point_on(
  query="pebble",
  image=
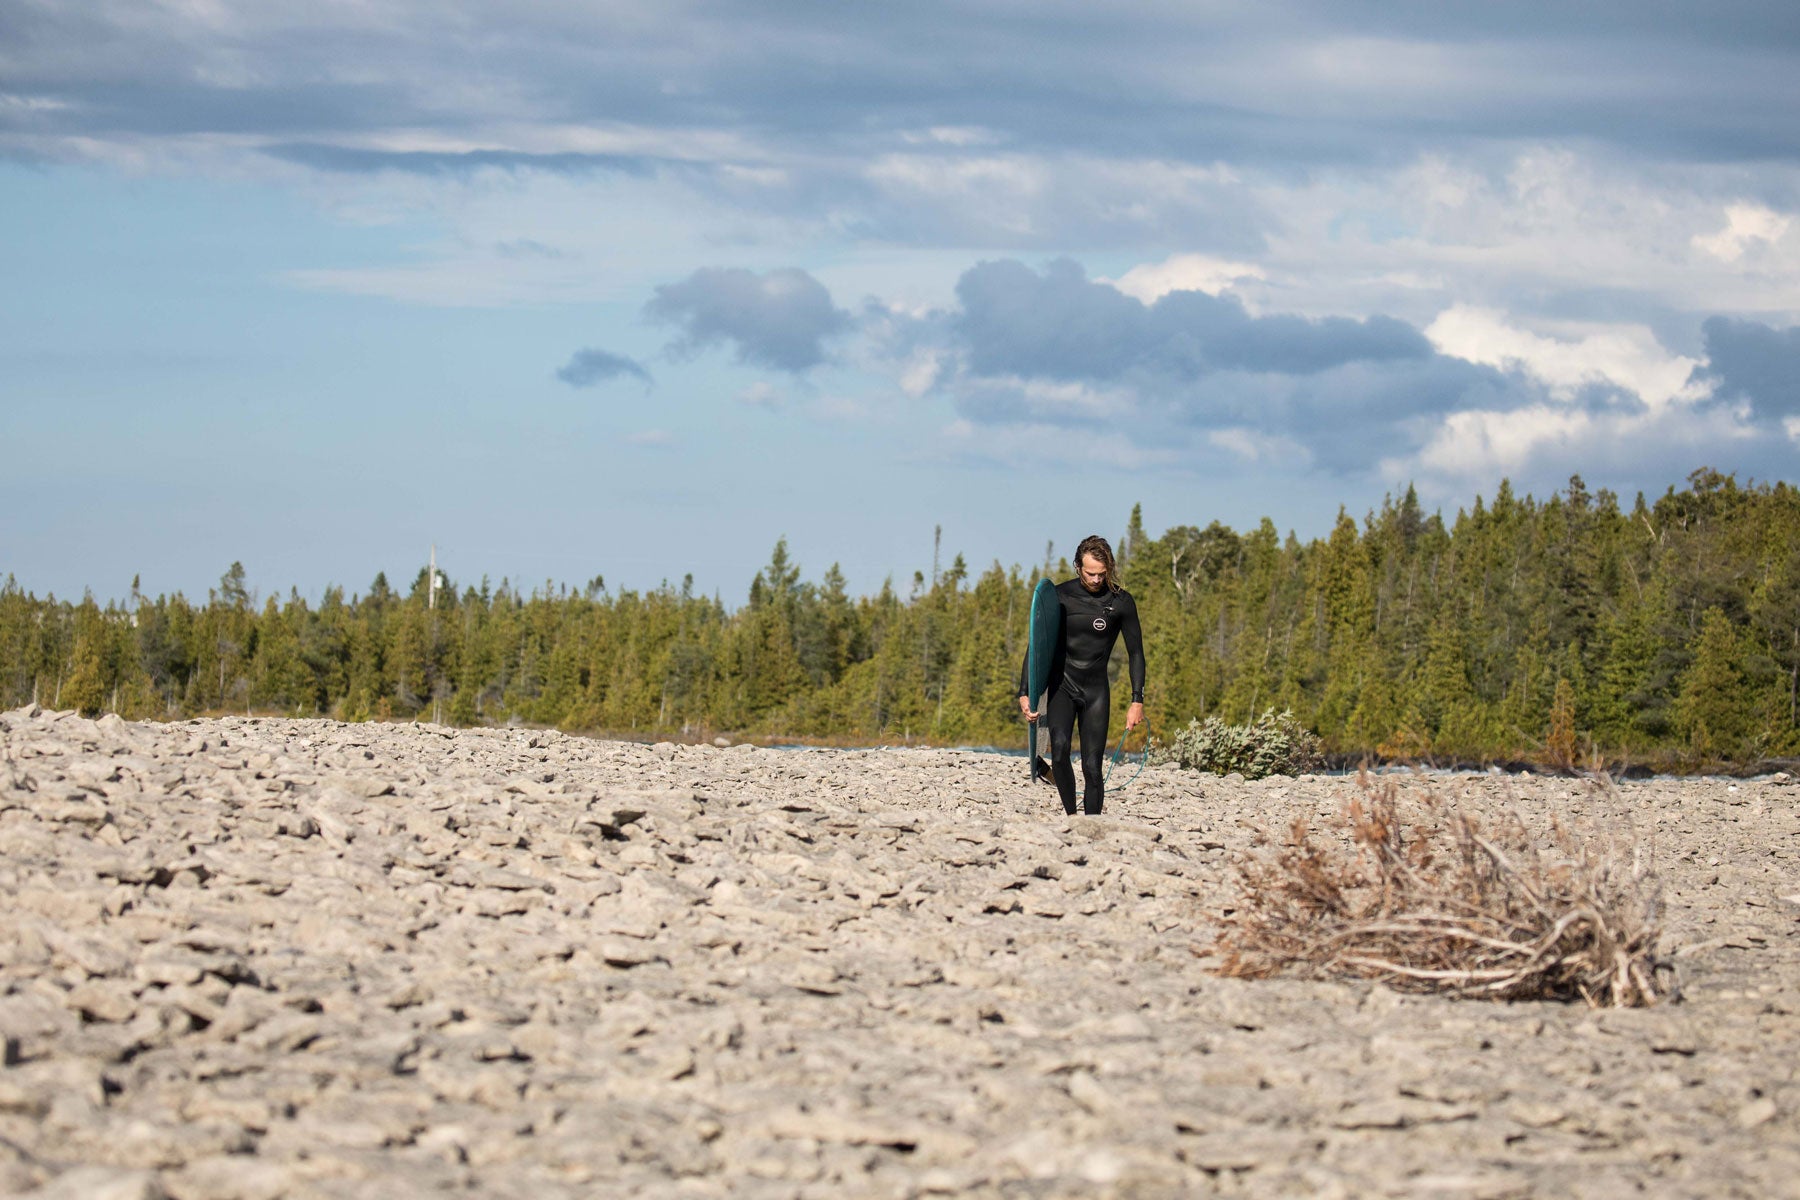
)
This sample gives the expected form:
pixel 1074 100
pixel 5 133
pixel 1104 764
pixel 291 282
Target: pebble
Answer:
pixel 250 957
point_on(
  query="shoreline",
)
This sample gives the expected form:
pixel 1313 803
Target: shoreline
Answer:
pixel 1339 764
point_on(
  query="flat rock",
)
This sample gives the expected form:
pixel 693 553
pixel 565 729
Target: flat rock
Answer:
pixel 269 958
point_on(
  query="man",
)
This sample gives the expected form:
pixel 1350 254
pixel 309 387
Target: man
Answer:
pixel 1095 610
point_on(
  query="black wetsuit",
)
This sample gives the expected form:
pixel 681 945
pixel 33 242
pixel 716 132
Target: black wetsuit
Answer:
pixel 1079 688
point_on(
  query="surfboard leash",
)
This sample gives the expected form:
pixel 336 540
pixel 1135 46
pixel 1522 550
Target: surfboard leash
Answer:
pixel 1119 753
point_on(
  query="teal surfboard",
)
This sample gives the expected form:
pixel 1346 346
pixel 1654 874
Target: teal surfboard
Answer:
pixel 1040 652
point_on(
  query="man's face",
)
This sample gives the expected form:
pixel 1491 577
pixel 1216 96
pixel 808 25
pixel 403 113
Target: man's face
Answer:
pixel 1093 573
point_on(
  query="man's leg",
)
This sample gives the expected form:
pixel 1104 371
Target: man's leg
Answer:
pixel 1095 711
pixel 1060 715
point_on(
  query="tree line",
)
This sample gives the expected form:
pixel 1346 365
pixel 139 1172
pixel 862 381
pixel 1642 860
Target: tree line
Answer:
pixel 1568 630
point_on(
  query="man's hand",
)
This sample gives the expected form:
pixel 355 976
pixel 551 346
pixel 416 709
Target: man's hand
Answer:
pixel 1025 707
pixel 1134 716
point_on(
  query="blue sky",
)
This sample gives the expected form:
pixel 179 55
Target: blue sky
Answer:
pixel 634 290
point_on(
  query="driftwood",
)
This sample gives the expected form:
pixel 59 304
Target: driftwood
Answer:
pixel 1442 898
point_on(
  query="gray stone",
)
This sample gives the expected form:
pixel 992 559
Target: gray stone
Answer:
pixel 370 960
pixel 102 1183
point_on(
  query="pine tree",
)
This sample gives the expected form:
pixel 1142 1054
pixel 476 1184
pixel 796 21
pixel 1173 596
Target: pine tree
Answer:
pixel 1716 710
pixel 1775 608
pixel 87 683
pixel 1347 604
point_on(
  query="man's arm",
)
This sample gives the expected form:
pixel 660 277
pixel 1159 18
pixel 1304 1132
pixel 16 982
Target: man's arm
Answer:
pixel 1134 649
pixel 1025 685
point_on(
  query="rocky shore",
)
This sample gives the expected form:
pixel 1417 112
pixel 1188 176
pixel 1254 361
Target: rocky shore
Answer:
pixel 267 958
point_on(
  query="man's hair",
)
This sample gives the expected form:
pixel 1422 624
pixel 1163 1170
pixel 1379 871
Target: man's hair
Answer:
pixel 1097 546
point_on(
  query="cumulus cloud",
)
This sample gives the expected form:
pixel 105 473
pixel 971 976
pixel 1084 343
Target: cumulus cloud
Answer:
pixel 589 367
pixel 1198 380
pixel 1350 417
pixel 1059 324
pixel 1056 324
pixel 1745 224
pixel 1626 357
pixel 1507 252
pixel 1150 282
pixel 1543 444
pixel 1188 373
pixel 780 318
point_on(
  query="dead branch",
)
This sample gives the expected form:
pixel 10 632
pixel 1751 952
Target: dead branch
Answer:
pixel 1448 899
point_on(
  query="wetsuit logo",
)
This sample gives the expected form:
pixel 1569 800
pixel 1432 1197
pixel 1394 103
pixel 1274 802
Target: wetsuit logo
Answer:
pixel 1100 624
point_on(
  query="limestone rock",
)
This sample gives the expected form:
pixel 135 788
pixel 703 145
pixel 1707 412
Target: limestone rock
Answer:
pixel 271 958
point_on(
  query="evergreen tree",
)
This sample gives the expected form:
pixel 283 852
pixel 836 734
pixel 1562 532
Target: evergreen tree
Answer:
pixel 87 682
pixel 1520 627
pixel 1716 710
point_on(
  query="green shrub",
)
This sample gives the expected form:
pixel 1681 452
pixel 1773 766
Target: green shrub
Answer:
pixel 1269 745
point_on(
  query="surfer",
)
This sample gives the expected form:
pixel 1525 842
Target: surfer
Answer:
pixel 1095 611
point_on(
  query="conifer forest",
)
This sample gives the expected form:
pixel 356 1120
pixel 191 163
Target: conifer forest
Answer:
pixel 1572 631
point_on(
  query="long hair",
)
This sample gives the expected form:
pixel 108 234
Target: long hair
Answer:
pixel 1097 546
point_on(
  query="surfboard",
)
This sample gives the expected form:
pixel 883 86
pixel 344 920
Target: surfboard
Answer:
pixel 1040 652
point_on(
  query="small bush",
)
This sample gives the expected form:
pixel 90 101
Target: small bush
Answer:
pixel 1440 900
pixel 1270 745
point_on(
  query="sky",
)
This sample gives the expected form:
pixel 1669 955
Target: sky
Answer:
pixel 634 290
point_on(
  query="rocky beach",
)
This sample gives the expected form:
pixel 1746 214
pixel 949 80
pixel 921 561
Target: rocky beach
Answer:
pixel 250 958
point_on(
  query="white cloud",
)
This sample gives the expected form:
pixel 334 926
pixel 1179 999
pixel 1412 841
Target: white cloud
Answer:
pixel 1626 356
pixel 655 438
pixel 921 372
pixel 1540 445
pixel 1150 282
pixel 1477 444
pixel 1544 221
pixel 1744 223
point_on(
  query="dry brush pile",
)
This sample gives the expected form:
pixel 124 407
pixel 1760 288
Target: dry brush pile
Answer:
pixel 1426 894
